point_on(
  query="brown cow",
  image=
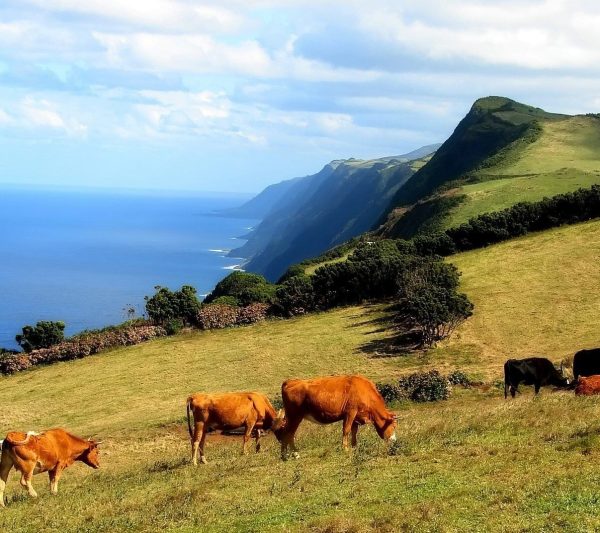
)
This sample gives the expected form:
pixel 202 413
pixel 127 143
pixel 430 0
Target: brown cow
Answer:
pixel 51 451
pixel 587 386
pixel 228 411
pixel 351 399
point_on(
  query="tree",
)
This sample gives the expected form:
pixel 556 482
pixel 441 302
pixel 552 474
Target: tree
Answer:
pixel 296 296
pixel 166 306
pixel 45 334
pixel 436 312
pixel 246 287
pixel 430 301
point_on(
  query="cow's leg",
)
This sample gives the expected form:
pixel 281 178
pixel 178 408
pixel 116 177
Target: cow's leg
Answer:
pixel 199 434
pixel 258 436
pixel 513 390
pixel 250 423
pixel 26 478
pixel 54 476
pixel 536 387
pixel 5 465
pixel 288 439
pixel 346 428
pixel 354 432
pixel 246 438
pixel 202 441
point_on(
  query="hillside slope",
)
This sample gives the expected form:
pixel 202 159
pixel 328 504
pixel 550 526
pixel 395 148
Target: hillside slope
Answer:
pixel 341 201
pixel 475 462
pixel 501 153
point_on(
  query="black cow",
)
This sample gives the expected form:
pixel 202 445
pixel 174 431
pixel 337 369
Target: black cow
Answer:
pixel 536 371
pixel 586 363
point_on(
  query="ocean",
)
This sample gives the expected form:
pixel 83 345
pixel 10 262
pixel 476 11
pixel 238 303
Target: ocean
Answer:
pixel 84 257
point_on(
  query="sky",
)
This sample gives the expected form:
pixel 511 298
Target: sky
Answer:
pixel 232 95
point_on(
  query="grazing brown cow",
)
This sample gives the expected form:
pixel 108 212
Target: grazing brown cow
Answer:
pixel 587 386
pixel 351 399
pixel 51 451
pixel 250 410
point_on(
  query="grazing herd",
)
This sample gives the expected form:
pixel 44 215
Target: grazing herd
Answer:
pixel 539 371
pixel 352 400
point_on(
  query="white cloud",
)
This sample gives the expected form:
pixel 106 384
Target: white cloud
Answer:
pixel 163 15
pixel 536 35
pixel 43 116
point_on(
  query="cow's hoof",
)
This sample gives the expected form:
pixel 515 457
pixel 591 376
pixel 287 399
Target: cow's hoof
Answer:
pixel 203 460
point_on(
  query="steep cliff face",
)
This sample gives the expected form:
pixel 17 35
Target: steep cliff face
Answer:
pixel 316 212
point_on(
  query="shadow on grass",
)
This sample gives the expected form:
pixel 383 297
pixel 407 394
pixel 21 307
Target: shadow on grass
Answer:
pixel 168 466
pixel 402 344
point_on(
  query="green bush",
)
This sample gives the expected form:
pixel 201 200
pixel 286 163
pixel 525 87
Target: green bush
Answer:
pixel 245 287
pixel 227 300
pixel 390 392
pixel 436 312
pixel 428 386
pixel 458 377
pixel 45 334
pixel 424 387
pixel 295 296
pixel 173 326
pixel 166 305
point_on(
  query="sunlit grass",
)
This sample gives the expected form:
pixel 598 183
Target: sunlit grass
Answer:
pixel 473 463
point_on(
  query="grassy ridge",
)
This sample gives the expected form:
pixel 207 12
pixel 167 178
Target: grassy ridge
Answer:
pixel 475 462
pixel 565 157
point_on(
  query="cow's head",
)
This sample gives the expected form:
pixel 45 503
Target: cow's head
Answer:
pixel 565 376
pixel 386 427
pixel 91 456
pixel 278 426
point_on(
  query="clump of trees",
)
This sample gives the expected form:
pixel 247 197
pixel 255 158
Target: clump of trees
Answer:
pixel 243 288
pixel 173 309
pixel 424 287
pixel 44 334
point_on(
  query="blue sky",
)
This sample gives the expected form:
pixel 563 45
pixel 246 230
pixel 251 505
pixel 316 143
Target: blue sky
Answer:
pixel 232 95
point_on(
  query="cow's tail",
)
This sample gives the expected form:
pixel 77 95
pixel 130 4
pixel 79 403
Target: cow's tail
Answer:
pixel 189 421
pixel 12 442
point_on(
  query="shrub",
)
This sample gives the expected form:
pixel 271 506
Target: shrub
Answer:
pixel 296 296
pixel 82 345
pixel 424 386
pixel 458 377
pixel 43 335
pixel 227 300
pixel 173 326
pixel 166 305
pixel 389 391
pixel 436 312
pixel 250 314
pixel 246 287
pixel 217 316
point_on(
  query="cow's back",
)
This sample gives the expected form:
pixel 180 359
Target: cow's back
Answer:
pixel 49 447
pixel 227 409
pixel 329 398
pixel 586 363
pixel 588 386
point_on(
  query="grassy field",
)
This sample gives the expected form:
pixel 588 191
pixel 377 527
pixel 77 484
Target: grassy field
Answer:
pixel 475 462
pixel 310 269
pixel 565 157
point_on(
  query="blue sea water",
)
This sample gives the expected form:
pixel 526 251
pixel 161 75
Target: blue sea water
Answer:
pixel 84 256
